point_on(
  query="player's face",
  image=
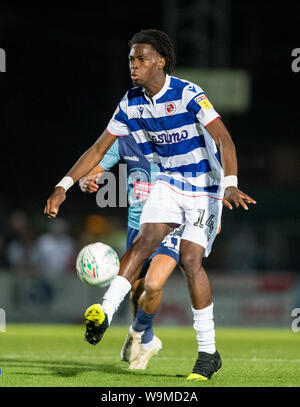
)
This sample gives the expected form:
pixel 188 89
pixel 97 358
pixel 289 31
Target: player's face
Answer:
pixel 144 64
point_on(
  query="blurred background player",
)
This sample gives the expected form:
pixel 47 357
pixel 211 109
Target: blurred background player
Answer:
pixel 141 343
pixel 177 127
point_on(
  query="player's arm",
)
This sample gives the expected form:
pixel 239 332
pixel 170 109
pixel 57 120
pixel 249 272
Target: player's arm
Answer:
pixel 82 167
pixel 111 158
pixel 89 182
pixel 222 138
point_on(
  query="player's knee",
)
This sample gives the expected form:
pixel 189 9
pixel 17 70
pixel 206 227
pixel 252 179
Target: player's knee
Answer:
pixel 152 288
pixel 190 263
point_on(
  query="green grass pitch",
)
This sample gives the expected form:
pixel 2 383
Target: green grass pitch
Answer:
pixel 56 355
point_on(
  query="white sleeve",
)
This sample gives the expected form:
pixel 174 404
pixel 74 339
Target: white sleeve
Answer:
pixel 197 103
pixel 118 124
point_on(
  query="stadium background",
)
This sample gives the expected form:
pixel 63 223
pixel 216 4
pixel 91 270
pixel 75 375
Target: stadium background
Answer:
pixel 66 71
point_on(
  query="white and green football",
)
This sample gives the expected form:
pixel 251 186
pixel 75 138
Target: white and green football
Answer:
pixel 97 264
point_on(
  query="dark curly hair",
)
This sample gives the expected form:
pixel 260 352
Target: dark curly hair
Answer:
pixel 161 42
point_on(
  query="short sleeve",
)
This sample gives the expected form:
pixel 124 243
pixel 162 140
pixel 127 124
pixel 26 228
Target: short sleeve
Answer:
pixel 111 158
pixel 198 104
pixel 118 124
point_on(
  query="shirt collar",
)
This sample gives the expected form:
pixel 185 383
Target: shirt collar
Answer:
pixel 163 89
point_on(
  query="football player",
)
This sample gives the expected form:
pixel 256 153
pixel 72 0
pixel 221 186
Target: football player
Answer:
pixel 177 127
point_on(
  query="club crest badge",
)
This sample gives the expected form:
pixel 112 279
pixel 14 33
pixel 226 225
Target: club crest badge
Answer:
pixel 170 108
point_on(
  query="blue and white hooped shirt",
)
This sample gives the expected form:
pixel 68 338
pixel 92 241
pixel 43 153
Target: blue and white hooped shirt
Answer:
pixel 170 131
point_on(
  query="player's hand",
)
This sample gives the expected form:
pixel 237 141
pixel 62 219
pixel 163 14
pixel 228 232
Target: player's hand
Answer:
pixel 89 183
pixel 53 203
pixel 235 196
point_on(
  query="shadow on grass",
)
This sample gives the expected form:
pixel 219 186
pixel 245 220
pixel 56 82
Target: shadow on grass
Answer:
pixel 72 369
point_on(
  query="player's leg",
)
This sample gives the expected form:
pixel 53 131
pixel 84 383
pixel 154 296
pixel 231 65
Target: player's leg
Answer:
pixel 160 215
pixel 128 352
pixel 133 340
pixel 208 361
pixel 138 286
pixel 98 317
pixel 156 269
pixel 136 291
pixel 159 271
pixel 200 231
pixel 148 344
pixel 191 265
pixel 148 239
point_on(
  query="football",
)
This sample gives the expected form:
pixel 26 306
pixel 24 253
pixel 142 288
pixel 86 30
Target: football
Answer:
pixel 97 264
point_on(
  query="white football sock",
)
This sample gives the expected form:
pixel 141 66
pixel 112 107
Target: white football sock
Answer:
pixel 204 327
pixel 148 345
pixel 114 296
pixel 132 330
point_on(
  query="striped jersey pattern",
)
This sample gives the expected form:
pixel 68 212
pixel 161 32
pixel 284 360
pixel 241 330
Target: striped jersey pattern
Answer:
pixel 170 131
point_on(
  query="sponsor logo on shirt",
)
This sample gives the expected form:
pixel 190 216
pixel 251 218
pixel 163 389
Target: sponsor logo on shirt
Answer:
pixel 170 137
pixel 142 189
pixel 170 107
pixel 132 158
